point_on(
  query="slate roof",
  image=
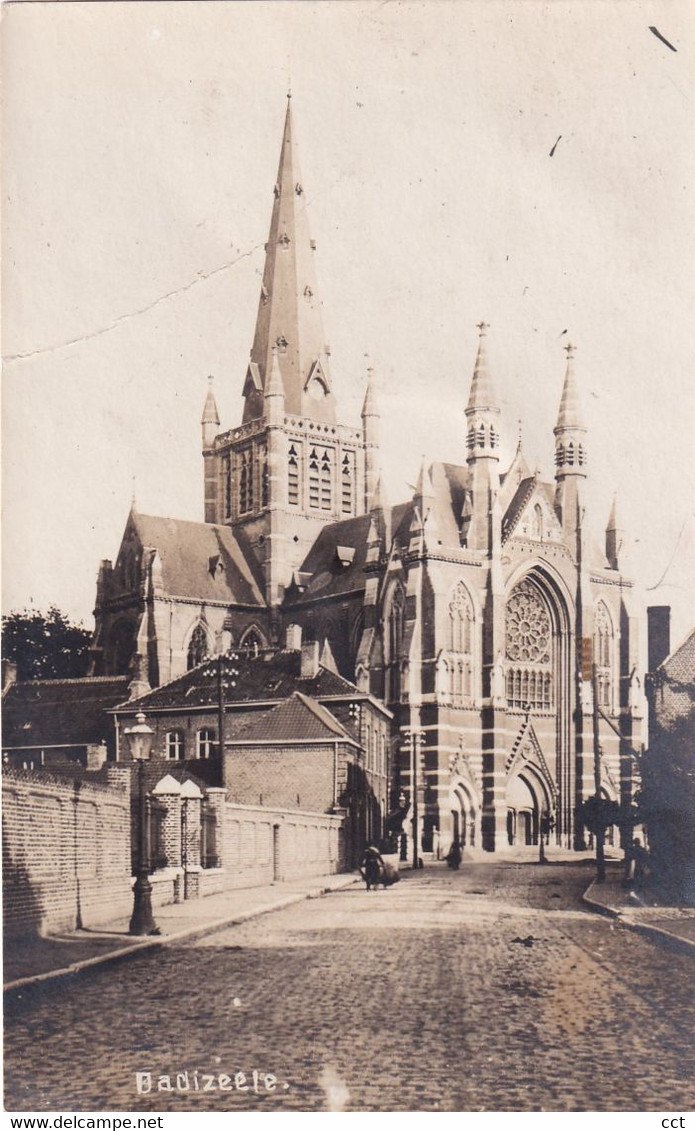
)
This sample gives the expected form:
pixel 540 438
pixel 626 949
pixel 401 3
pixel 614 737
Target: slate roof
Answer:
pixel 328 577
pixel 450 482
pixel 270 677
pixel 186 549
pixel 298 719
pixel 60 712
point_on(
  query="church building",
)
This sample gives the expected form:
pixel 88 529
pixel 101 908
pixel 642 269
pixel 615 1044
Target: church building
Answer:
pixel 480 611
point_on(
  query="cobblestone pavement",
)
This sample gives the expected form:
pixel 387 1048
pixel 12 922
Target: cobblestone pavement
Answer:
pixel 486 989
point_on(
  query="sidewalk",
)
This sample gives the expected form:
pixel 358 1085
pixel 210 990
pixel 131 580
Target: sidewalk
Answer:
pixel 673 925
pixel 59 955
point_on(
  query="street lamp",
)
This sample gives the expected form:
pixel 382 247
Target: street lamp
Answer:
pixel 415 738
pixel 139 738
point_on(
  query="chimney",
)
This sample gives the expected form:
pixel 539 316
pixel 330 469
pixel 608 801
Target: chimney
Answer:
pixel 9 674
pixel 96 756
pixel 310 660
pixel 658 635
pixel 293 638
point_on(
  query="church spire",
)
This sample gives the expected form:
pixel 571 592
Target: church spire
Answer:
pixel 570 430
pixel 370 436
pixel 289 311
pixel 210 420
pixel 482 410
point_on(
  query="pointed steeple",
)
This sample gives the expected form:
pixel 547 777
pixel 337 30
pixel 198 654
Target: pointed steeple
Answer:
pixel 210 419
pixel 570 413
pixel 482 394
pixel 570 430
pixel 615 537
pixel 370 436
pixel 482 410
pixel 289 312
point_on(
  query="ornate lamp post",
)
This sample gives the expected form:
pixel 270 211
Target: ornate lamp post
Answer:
pixel 226 676
pixel 415 739
pixel 139 738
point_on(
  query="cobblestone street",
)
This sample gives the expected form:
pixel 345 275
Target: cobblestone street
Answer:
pixel 488 989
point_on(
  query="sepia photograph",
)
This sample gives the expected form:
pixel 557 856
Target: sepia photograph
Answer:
pixel 348 605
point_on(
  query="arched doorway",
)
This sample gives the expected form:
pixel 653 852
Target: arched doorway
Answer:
pixel 527 799
pixel 464 816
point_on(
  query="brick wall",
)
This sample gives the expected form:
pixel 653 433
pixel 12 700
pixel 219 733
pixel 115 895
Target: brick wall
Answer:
pixel 260 846
pixel 66 851
pixel 286 777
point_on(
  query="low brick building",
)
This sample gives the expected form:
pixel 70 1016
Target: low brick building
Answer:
pixel 283 714
pixel 51 721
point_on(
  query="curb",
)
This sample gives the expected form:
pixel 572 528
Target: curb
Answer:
pixel 196 932
pixel 656 934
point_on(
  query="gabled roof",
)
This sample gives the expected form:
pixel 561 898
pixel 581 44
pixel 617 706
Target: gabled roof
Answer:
pixel 298 719
pixel 680 665
pixel 450 482
pixel 185 550
pixel 515 509
pixel 60 712
pixel 267 677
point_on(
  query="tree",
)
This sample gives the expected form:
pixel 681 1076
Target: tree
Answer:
pixel 667 805
pixel 45 645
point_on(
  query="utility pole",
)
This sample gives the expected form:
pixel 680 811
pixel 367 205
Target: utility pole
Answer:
pixel 600 856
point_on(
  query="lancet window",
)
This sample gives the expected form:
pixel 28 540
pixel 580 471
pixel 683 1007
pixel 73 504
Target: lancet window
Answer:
pixel 455 667
pixel 603 654
pixel 246 469
pixel 395 637
pixel 347 483
pixel 529 650
pixel 227 476
pixel 293 463
pixel 197 647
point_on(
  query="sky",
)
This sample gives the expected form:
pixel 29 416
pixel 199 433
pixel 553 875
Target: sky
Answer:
pixel 530 164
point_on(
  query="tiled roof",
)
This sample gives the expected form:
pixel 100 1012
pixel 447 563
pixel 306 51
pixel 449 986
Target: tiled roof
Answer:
pixel 270 677
pixel 186 550
pixel 298 719
pixel 60 712
pixel 680 665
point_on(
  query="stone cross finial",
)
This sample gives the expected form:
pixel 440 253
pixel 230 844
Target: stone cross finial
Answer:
pixel 483 327
pixel 570 350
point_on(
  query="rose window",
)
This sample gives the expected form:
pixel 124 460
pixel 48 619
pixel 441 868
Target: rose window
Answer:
pixel 528 626
pixel 528 649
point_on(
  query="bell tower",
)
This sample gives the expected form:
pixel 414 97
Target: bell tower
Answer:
pixel 289 468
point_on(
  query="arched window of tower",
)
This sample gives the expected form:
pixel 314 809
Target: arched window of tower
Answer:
pixel 197 647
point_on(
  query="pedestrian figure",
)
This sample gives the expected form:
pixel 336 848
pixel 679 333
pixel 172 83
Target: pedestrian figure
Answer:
pixel 454 856
pixel 640 858
pixel 436 849
pixel 372 868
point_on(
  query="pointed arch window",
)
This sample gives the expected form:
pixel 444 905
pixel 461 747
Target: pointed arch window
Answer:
pixel 529 648
pixel 456 664
pixel 560 455
pixel 227 475
pixel 197 647
pixel 347 483
pixel 293 464
pixel 537 522
pixel 251 644
pixel 265 478
pixel 246 485
pixel 470 439
pixel 603 654
pixel 326 481
pixel 396 624
pixel 570 453
pixel 314 479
